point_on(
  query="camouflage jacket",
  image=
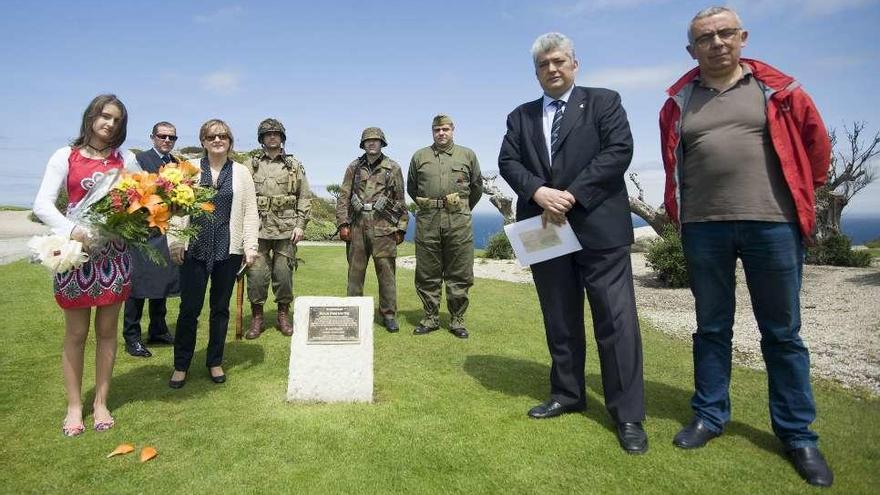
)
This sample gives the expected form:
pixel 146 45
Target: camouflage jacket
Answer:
pixel 283 197
pixel 374 194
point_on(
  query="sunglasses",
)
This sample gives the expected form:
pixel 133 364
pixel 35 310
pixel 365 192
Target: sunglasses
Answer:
pixel 165 137
pixel 212 137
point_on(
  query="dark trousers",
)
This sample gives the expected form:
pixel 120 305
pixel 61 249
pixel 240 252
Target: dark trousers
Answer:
pixel 194 277
pixel 772 256
pixel 606 276
pixel 134 310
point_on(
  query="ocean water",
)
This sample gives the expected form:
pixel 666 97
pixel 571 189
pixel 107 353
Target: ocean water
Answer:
pixel 859 228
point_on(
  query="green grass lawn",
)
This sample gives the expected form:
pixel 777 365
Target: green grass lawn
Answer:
pixel 449 415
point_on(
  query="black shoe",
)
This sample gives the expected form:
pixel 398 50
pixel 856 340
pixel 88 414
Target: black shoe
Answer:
pixel 694 435
pixel 391 324
pixel 164 338
pixel 551 409
pixel 137 349
pixel 632 438
pixel 177 383
pixel 423 330
pixel 811 466
pixel 461 333
pixel 218 379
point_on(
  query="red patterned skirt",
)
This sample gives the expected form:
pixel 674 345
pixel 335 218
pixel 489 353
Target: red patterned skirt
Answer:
pixel 102 280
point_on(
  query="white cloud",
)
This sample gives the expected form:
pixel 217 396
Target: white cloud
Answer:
pixel 651 77
pixel 803 8
pixel 220 16
pixel 590 6
pixel 222 82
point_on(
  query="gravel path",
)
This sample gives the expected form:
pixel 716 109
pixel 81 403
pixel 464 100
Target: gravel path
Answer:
pixel 840 316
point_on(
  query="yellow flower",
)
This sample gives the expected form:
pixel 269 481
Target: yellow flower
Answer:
pixel 172 175
pixel 126 183
pixel 183 195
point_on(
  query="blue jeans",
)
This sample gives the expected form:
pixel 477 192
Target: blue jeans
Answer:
pixel 772 256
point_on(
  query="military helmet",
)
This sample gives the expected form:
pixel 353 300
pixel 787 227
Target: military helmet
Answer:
pixel 373 133
pixel 270 125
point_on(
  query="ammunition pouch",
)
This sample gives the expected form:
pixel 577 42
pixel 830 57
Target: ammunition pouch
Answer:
pixel 356 204
pixel 279 202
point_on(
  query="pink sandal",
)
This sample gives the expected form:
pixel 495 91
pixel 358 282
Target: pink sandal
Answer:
pixel 72 430
pixel 104 425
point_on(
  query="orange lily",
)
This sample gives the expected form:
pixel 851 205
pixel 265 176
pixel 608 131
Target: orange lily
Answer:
pixel 159 215
pixel 209 207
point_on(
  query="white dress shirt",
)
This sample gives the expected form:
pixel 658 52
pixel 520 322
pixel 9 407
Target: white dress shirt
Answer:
pixel 549 113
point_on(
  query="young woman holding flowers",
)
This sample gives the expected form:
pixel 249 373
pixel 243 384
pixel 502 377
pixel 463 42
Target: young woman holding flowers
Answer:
pixel 225 240
pixel 103 281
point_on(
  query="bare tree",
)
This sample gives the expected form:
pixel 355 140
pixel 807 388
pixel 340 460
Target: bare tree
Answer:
pixel 851 171
pixel 500 200
pixel 656 217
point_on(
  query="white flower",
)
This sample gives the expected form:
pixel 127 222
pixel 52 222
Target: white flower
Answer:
pixel 57 253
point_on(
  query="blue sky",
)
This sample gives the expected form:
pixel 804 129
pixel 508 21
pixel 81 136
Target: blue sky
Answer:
pixel 329 69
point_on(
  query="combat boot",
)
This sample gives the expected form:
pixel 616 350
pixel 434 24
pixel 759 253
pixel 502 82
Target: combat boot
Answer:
pixel 284 320
pixel 256 322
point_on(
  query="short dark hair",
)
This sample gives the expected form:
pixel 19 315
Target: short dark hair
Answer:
pixel 163 123
pixel 92 112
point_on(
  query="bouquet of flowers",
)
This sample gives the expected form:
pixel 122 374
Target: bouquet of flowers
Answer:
pixel 132 206
pixel 57 253
pixel 141 204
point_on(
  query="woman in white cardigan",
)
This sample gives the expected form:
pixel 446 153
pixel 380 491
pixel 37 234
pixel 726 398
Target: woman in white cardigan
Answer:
pixel 226 240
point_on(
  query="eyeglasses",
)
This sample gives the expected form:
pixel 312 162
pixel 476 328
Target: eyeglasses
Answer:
pixel 165 137
pixel 212 137
pixel 725 35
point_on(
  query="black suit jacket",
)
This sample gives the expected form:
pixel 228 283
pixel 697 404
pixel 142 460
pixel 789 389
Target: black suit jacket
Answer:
pixel 594 150
pixel 149 160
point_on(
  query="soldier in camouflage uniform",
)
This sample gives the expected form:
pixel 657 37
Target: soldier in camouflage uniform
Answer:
pixel 444 180
pixel 371 215
pixel 283 202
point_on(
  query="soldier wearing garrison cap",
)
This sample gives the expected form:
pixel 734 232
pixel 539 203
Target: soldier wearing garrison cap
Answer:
pixel 444 180
pixel 371 216
pixel 283 202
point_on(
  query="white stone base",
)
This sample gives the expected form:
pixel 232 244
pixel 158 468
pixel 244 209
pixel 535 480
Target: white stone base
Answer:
pixel 331 372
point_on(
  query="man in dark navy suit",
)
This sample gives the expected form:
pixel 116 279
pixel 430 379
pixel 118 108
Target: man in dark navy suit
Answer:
pixel 565 156
pixel 151 281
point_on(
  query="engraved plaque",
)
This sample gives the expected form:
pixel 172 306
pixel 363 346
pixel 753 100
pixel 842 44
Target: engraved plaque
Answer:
pixel 333 325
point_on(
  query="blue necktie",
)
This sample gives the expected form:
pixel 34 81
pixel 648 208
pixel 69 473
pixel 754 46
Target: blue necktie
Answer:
pixel 556 125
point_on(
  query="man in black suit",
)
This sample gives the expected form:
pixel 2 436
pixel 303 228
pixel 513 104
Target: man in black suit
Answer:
pixel 151 281
pixel 565 156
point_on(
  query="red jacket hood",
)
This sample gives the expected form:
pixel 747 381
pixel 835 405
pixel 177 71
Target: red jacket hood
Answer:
pixel 766 73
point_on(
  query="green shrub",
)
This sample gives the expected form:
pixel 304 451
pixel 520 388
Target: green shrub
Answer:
pixel 873 244
pixel 320 230
pixel 666 257
pixel 499 247
pixel 836 250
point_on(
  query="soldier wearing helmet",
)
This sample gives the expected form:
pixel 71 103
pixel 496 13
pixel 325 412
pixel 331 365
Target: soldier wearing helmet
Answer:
pixel 445 182
pixel 371 215
pixel 283 202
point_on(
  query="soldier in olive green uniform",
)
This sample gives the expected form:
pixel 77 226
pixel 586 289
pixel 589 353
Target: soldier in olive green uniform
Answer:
pixel 444 180
pixel 283 202
pixel 371 216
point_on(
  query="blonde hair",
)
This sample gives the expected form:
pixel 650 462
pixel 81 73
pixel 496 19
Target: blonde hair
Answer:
pixel 203 131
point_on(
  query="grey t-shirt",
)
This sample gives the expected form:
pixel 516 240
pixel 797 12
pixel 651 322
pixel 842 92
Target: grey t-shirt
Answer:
pixel 730 170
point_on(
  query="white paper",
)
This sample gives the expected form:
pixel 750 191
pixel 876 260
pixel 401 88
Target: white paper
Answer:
pixel 533 244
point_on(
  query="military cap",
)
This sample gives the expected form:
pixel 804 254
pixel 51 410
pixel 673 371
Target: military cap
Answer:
pixel 441 119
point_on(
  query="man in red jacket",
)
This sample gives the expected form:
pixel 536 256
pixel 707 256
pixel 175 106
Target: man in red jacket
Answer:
pixel 744 147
